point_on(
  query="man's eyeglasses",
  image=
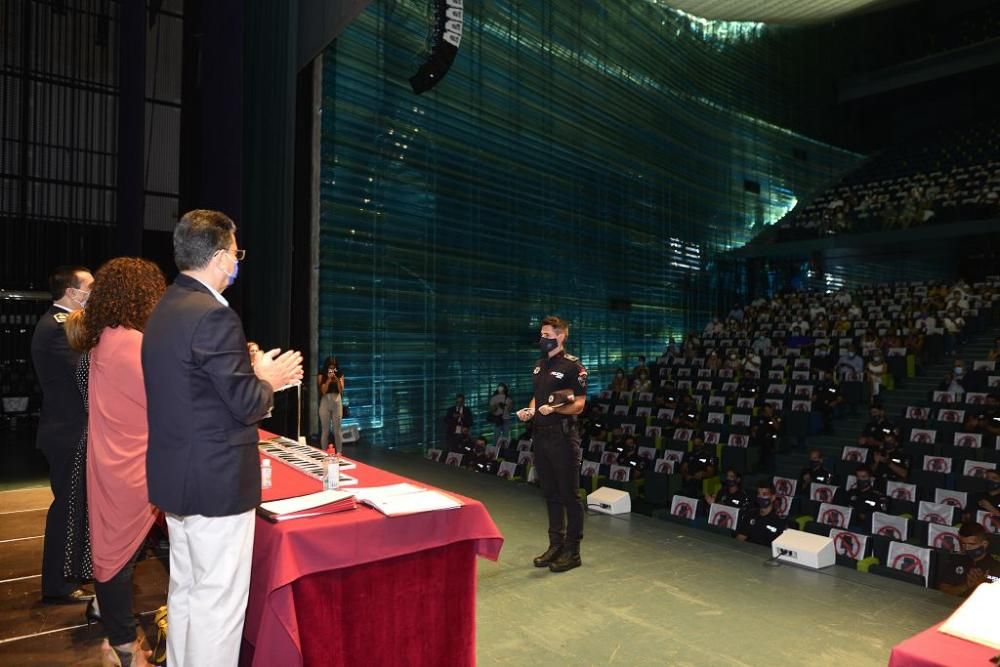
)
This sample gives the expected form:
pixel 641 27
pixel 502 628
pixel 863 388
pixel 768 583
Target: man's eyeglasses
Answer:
pixel 239 253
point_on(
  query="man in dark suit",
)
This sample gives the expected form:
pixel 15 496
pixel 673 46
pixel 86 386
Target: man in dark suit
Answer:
pixel 62 421
pixel 457 422
pixel 204 403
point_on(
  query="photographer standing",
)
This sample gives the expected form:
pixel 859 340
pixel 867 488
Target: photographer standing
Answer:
pixel 330 382
pixel 500 406
pixel 560 393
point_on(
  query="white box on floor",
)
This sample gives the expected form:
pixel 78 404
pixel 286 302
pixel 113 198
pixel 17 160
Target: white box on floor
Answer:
pixel 805 549
pixel 609 501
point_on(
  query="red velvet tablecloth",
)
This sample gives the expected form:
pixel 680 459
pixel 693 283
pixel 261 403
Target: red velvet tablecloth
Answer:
pixel 935 649
pixel 357 587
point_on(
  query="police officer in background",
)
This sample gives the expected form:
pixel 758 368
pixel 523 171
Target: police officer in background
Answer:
pixel 62 421
pixel 556 442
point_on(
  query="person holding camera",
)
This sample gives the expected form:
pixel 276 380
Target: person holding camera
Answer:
pixel 330 382
pixel 560 394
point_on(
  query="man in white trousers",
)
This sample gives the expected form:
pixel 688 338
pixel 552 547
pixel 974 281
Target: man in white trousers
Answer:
pixel 204 403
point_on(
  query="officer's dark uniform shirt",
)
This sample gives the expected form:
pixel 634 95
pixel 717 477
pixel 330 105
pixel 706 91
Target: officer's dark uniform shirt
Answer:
pixel 758 528
pixel 699 460
pixel 740 500
pixel 955 571
pixel 821 475
pixel 827 393
pixel 63 416
pixel 866 502
pixel 884 472
pixel 877 429
pixel 552 374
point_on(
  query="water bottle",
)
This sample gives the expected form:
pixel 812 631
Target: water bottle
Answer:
pixel 331 469
pixel 265 473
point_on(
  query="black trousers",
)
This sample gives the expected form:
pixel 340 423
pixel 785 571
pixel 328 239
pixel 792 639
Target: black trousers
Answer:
pixel 557 460
pixel 114 598
pixel 54 584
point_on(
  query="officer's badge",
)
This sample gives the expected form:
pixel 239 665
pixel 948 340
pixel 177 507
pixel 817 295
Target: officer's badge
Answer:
pixel 60 317
pixel 960 569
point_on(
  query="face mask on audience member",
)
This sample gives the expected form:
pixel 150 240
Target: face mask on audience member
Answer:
pixel 976 553
pixel 815 463
pixel 993 485
pixel 864 483
pixel 731 483
pixel 763 502
pixel 959 370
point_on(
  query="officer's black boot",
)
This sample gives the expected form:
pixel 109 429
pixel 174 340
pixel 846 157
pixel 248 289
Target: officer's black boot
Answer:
pixel 568 558
pixel 549 556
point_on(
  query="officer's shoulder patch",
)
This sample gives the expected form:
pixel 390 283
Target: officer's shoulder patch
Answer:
pixel 570 357
pixel 537 370
pixel 60 317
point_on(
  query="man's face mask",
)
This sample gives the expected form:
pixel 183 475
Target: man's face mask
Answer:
pixel 79 296
pixel 864 484
pixel 763 502
pixel 546 345
pixel 976 553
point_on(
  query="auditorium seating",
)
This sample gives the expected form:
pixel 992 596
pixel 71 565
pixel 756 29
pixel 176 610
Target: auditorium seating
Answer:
pixel 951 176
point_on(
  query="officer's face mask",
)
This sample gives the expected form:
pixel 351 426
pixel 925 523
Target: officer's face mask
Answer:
pixel 864 484
pixel 993 485
pixel 815 463
pixel 731 483
pixel 976 553
pixel 80 297
pixel 763 502
pixel 546 345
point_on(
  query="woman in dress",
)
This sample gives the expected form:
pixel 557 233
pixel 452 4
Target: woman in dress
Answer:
pixel 124 293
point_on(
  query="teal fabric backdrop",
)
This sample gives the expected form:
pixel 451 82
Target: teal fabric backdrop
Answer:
pixel 581 160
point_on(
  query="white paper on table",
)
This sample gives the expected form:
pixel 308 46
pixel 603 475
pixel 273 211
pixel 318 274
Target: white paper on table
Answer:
pixel 381 492
pixel 413 503
pixel 306 502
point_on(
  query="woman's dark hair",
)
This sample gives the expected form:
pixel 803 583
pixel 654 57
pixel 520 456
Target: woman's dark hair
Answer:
pixel 506 389
pixel 330 361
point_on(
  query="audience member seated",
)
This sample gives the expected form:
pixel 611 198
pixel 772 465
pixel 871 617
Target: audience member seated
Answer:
pixel 827 400
pixel 891 463
pixel 619 382
pixel 814 472
pixel 697 465
pixel 987 500
pixel 864 498
pixel 961 574
pixel 731 493
pixel 877 428
pixel 954 382
pixel 761 524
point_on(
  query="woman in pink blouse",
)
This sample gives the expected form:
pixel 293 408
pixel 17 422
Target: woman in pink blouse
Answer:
pixel 124 293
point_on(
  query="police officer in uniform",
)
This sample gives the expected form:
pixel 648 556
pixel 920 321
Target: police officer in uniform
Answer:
pixel 976 565
pixel 557 442
pixel 62 421
pixel 761 524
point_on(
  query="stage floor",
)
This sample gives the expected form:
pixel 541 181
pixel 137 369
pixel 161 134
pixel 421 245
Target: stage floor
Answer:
pixel 649 593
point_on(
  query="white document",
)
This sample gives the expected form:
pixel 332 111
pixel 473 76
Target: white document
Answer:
pixel 404 498
pixel 306 502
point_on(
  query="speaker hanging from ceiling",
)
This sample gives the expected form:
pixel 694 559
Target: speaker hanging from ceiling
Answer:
pixel 446 35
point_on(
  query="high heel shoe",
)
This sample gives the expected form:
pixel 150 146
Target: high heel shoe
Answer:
pixel 93 612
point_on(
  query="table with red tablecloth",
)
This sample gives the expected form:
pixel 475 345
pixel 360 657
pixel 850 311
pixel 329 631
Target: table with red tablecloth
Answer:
pixel 357 587
pixel 931 648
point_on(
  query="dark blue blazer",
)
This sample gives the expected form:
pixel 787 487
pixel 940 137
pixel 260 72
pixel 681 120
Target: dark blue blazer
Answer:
pixel 204 404
pixel 63 417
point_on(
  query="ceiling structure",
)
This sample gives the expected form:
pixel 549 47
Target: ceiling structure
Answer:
pixel 789 12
